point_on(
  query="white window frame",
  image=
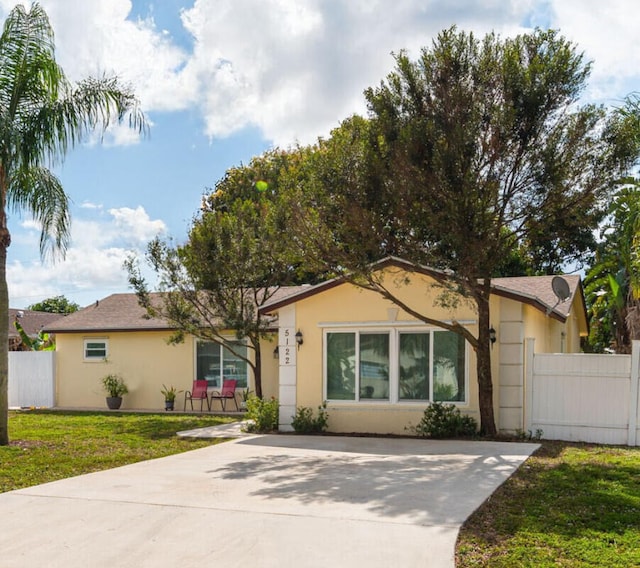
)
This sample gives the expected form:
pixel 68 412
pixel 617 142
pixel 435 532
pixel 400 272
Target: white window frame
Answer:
pixel 394 356
pixel 96 358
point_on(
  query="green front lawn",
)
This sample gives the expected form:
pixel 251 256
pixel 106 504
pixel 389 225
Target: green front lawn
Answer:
pixel 568 505
pixel 50 445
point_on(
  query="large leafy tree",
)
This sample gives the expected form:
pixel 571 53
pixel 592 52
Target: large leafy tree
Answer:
pixel 55 305
pixel 235 260
pixel 476 149
pixel 42 115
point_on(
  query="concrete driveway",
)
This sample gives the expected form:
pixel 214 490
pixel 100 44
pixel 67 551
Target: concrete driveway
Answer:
pixel 262 501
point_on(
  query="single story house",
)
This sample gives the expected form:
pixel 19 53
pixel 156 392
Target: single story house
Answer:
pixel 376 367
pixel 115 335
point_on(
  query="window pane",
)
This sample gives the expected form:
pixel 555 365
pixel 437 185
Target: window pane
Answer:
pixel 208 363
pixel 374 365
pixel 233 366
pixel 414 366
pixel 95 350
pixel 448 366
pixel 341 366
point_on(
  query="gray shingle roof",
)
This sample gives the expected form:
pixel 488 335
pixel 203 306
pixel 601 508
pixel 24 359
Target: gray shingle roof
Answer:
pixel 122 312
pixel 538 288
pixel 32 322
pixel 533 290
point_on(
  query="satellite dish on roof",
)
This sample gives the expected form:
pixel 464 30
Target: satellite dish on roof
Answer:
pixel 561 289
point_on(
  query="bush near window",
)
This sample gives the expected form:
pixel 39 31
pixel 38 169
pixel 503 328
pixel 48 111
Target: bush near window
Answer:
pixel 445 421
pixel 262 414
pixel 304 421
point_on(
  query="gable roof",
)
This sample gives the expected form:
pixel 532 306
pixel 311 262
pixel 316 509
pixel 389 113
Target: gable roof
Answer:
pixel 122 312
pixel 533 290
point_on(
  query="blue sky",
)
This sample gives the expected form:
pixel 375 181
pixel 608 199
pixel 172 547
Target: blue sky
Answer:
pixel 224 80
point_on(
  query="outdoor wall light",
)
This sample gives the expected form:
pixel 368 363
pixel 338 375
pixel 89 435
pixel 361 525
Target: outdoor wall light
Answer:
pixel 492 335
pixel 299 339
pixel 276 352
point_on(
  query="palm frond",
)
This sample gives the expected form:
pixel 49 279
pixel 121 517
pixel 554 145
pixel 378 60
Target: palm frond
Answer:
pixel 39 192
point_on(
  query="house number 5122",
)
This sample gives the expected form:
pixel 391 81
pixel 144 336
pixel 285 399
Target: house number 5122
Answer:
pixel 287 341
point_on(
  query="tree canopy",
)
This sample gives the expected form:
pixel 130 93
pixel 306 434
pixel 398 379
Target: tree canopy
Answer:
pixel 612 284
pixel 234 261
pixel 475 149
pixel 42 116
pixel 55 305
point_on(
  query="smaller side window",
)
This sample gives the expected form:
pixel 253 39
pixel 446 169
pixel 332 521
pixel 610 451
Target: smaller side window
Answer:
pixel 95 349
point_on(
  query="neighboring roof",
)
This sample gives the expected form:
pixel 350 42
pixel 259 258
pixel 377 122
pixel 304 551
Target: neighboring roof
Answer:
pixel 32 322
pixel 532 290
pixel 122 312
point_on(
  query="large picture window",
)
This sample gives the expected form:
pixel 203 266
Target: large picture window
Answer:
pixel 215 362
pixel 395 366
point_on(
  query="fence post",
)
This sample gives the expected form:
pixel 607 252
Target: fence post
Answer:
pixel 529 348
pixel 633 393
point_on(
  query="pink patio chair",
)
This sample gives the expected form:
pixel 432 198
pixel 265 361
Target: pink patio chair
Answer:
pixel 228 392
pixel 198 392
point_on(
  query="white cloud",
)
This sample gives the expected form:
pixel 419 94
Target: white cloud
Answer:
pixel 93 265
pixel 608 34
pixel 89 205
pixel 136 224
pixel 295 69
pixel 95 38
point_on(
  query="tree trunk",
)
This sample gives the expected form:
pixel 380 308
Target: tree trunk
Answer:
pixel 257 371
pixel 4 341
pixel 485 381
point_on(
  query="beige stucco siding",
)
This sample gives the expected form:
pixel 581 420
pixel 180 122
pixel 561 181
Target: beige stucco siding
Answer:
pixel 145 361
pixel 551 335
pixel 346 308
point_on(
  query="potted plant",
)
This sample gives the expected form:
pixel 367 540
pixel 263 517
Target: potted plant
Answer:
pixel 246 394
pixel 115 387
pixel 169 396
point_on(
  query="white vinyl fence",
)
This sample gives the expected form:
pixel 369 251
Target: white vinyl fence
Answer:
pixel 583 397
pixel 31 379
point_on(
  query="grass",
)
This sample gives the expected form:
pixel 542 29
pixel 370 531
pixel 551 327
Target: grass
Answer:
pixel 570 505
pixel 50 445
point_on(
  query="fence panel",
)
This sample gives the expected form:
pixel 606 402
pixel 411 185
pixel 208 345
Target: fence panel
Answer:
pixel 583 397
pixel 31 379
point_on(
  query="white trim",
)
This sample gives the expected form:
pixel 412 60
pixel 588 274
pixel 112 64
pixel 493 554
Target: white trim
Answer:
pixel 390 325
pixel 287 369
pixel 99 358
pixel 394 333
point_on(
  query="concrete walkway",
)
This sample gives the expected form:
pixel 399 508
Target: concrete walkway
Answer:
pixel 262 501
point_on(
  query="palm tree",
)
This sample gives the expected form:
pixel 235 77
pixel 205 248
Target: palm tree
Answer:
pixel 42 116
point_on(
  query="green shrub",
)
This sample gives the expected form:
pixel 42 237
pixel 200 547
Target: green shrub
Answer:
pixel 445 421
pixel 305 423
pixel 262 414
pixel 114 385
